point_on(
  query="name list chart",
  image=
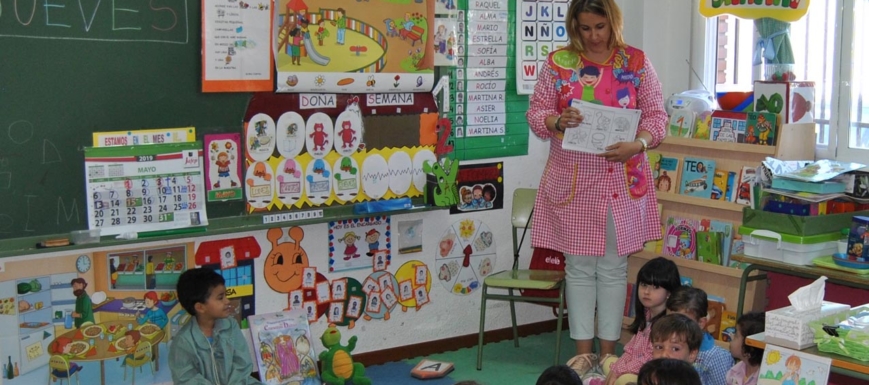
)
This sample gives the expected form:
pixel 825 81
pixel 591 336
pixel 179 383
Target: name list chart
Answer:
pixel 541 31
pixel 486 72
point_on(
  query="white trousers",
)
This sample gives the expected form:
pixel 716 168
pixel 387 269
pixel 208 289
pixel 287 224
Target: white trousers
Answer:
pixel 601 282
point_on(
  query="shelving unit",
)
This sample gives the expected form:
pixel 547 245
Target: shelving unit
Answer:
pixel 794 142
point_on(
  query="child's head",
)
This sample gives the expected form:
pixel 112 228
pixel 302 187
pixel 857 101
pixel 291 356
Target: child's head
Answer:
pixel 559 375
pixel 150 298
pixel 667 371
pixel 203 291
pixel 676 336
pixel 746 325
pixel 60 345
pixel 132 338
pixel 655 281
pixel 691 302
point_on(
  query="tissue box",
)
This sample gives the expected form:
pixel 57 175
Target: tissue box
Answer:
pixel 789 328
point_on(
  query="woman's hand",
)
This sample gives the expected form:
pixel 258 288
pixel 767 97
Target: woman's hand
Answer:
pixel 570 117
pixel 622 151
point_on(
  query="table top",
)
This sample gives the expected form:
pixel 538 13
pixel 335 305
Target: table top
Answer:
pixel 837 275
pixel 840 361
pixel 117 306
pixel 103 348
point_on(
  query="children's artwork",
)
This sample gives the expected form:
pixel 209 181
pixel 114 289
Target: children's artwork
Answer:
pixel 283 348
pixel 145 188
pixel 340 46
pixel 410 236
pixel 260 137
pixel 697 177
pixel 400 173
pixel 223 168
pixel 375 176
pixel 236 59
pixel 354 242
pixel 445 40
pixel 466 256
pixel 781 366
pixel 602 127
pixel 682 123
pixel 481 187
pixel 290 131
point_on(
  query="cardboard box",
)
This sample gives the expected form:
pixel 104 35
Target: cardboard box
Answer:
pixel 793 100
pixel 789 328
pixel 798 225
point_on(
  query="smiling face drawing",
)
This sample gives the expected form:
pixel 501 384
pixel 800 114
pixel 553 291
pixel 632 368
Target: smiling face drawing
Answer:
pixel 286 261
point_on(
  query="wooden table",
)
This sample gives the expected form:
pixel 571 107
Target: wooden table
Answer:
pixel 812 272
pixel 841 364
pixel 103 353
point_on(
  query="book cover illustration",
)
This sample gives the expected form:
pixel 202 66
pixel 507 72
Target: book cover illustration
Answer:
pixel 744 185
pixel 284 348
pixel 728 126
pixel 761 128
pixel 682 123
pixel 697 177
pixel 719 185
pixel 667 179
pixel 728 326
pixel 709 247
pixel 726 230
pixel 680 238
pixel 731 185
pixel 714 313
pixel 785 366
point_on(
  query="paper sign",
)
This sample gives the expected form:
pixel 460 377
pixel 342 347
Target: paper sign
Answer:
pixel 141 137
pixel 783 10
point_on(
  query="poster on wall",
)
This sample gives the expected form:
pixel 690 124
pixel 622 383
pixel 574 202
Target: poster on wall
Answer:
pixel 480 186
pixel 236 49
pixel 354 46
pixel 466 255
pixel 353 243
pixel 445 40
pixel 223 167
pixel 541 30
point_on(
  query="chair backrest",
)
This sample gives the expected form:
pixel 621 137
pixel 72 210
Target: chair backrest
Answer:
pixel 143 349
pixel 59 363
pixel 523 205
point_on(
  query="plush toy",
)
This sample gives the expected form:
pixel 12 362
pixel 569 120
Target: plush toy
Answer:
pixel 338 365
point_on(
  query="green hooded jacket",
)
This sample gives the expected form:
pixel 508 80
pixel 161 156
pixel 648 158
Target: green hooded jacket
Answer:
pixel 195 361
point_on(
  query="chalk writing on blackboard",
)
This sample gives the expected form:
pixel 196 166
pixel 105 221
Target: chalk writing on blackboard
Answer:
pixel 97 21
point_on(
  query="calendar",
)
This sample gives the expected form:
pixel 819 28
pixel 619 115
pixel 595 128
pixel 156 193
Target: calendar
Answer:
pixel 145 188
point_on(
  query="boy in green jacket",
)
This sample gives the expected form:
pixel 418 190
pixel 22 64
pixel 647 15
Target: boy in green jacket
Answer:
pixel 209 349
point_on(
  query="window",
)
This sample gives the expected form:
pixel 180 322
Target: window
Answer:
pixel 817 41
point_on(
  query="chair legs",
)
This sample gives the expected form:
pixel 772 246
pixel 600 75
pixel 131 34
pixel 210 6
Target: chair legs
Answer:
pixel 482 327
pixel 513 319
pixel 559 323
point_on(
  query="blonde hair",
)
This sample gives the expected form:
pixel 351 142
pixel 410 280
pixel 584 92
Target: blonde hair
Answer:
pixel 606 8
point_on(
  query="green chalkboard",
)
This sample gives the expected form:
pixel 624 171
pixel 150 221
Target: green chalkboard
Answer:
pixel 70 68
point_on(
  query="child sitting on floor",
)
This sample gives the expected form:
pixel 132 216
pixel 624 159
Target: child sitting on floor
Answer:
pixel 745 371
pixel 668 371
pixel 713 361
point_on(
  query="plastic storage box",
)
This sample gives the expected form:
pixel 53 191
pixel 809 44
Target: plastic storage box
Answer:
pixel 788 248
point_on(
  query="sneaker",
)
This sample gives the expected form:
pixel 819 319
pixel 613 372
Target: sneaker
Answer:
pixel 593 377
pixel 583 363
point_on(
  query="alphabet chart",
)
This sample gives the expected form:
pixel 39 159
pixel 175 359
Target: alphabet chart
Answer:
pixel 145 188
pixel 540 31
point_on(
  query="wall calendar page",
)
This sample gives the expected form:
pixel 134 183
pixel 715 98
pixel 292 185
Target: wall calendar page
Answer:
pixel 145 188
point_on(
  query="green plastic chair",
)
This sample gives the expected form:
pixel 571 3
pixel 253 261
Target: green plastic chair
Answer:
pixel 516 279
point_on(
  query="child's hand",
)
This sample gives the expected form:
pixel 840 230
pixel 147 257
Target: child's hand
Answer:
pixel 611 379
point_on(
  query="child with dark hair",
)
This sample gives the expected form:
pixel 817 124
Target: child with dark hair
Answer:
pixel 559 375
pixel 676 336
pixel 668 371
pixel 745 371
pixel 655 281
pixel 713 361
pixel 210 347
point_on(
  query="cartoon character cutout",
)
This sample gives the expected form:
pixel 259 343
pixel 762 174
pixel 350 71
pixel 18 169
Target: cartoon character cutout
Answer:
pixel 350 250
pixel 290 134
pixel 286 261
pixel 319 135
pixel 290 182
pixel 346 175
pixel 349 128
pixel 260 137
pixel 259 186
pixel 319 186
pixel 589 77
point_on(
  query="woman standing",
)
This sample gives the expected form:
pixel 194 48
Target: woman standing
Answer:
pixel 596 208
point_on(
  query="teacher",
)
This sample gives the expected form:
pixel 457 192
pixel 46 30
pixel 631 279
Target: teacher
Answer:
pixel 596 208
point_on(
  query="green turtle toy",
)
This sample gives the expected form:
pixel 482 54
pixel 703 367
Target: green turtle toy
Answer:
pixel 338 365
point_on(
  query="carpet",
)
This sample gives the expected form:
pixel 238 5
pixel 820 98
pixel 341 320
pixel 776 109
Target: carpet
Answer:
pixel 503 363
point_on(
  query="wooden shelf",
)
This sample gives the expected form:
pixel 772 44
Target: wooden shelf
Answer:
pixel 723 146
pixel 695 265
pixel 711 203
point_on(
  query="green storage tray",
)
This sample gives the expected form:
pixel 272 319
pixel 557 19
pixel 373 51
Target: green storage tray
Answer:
pixel 796 224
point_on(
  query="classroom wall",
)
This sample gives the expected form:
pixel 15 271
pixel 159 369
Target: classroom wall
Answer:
pixel 661 28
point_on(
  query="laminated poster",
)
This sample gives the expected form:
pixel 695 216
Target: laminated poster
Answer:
pixel 223 167
pixel 236 49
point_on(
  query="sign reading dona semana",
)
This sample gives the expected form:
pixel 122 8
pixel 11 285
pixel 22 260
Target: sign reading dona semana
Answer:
pixel 784 10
